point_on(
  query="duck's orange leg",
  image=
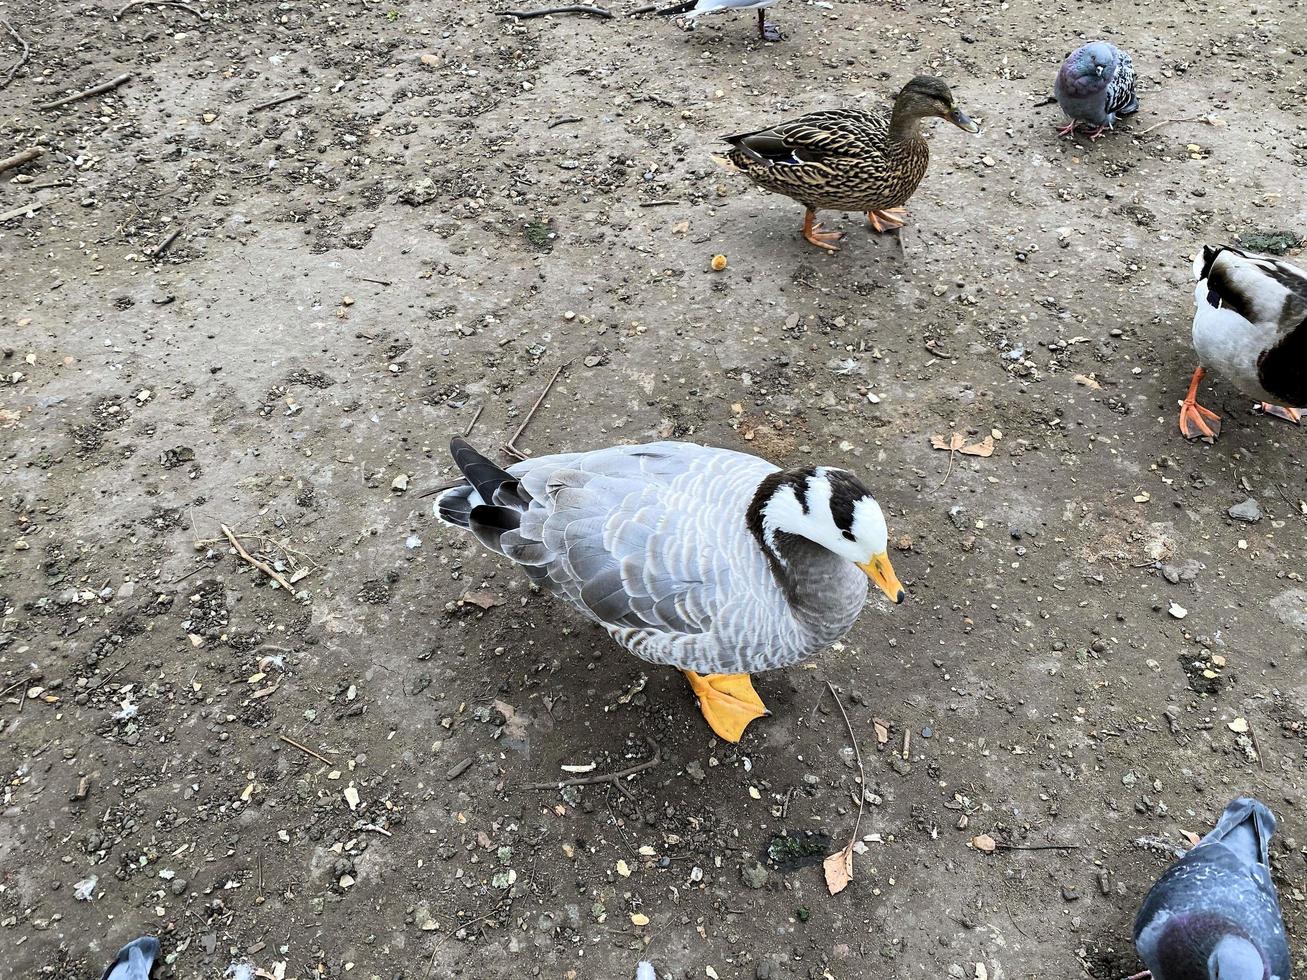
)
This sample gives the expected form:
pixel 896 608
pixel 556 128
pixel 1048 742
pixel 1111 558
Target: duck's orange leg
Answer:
pixel 1194 419
pixel 813 232
pixel 887 219
pixel 1280 412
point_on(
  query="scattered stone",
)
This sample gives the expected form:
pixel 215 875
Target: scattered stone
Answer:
pixel 1249 511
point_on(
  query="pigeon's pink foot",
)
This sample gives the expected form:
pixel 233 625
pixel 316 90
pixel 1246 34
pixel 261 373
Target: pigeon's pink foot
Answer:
pixel 1098 133
pixel 1280 412
pixel 1068 129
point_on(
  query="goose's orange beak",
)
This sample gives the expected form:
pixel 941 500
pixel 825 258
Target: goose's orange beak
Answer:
pixel 880 571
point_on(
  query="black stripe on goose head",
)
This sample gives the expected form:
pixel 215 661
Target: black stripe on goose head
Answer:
pixel 845 492
pixel 772 484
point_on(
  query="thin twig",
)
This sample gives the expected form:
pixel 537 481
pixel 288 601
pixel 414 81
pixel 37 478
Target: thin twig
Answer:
pixel 264 567
pixel 608 777
pixel 86 93
pixel 19 683
pixel 164 245
pixel 658 204
pixel 108 677
pixel 304 748
pixel 468 431
pixel 18 159
pixel 1205 120
pixel 648 8
pixel 379 282
pixel 22 59
pixel 442 488
pixel 511 445
pixel 948 471
pixel 441 941
pixel 25 210
pixel 1257 748
pixel 161 3
pixel 857 754
pixel 572 8
pixel 563 121
pixel 277 101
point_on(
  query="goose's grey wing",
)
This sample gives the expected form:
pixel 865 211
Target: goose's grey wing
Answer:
pixel 649 541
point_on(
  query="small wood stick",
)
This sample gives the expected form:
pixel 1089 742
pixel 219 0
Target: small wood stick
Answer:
pixel 164 245
pixel 511 445
pixel 22 59
pixel 608 777
pixel 277 101
pixel 574 8
pixel 108 86
pixel 264 567
pixel 161 3
pixel 304 748
pixel 18 159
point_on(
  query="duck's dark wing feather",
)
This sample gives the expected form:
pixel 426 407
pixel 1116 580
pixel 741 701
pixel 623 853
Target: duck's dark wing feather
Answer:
pixel 814 137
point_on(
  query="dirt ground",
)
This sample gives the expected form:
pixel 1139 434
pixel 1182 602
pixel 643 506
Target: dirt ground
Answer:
pixel 334 781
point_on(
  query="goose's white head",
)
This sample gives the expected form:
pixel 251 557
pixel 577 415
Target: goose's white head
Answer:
pixel 830 507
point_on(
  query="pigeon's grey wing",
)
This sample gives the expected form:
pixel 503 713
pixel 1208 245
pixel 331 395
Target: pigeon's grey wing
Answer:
pixel 1212 881
pixel 1121 98
pixel 1246 828
pixel 134 961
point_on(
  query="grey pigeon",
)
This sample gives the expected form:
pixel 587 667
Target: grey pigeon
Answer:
pixel 1214 915
pixel 1096 84
pixel 134 961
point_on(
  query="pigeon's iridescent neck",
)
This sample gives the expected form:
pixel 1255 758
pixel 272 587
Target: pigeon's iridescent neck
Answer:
pixel 1080 84
pixel 1188 941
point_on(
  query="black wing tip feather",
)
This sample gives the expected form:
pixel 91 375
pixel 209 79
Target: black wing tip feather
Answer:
pixel 677 8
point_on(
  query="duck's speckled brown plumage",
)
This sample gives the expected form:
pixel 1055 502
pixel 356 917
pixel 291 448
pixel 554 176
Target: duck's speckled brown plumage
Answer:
pixel 837 159
pixel 849 159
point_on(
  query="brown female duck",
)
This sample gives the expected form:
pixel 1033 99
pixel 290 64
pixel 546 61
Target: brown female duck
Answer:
pixel 848 159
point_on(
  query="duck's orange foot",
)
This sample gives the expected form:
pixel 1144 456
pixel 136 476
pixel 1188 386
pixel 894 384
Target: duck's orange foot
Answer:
pixel 887 219
pixel 728 702
pixel 1197 422
pixel 1279 411
pixel 819 236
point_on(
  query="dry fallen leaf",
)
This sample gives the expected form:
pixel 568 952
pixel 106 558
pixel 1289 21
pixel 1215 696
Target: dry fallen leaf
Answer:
pixel 956 443
pixel 839 869
pixel 882 730
pixel 514 723
pixel 983 843
pixel 953 444
pixel 680 228
pixel 1088 380
pixel 623 869
pixel 639 919
pixel 1191 837
pixel 983 448
pixel 483 600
